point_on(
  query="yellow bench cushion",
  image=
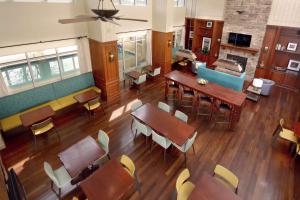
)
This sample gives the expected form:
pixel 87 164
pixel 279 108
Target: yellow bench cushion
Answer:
pixel 11 122
pixel 14 121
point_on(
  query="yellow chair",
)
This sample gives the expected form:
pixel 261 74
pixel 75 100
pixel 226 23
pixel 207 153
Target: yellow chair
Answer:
pixel 92 105
pixel 227 177
pixel 183 187
pixel 43 127
pixel 128 165
pixel 284 133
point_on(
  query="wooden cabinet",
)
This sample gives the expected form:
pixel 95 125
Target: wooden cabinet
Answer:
pixel 274 54
pixel 204 28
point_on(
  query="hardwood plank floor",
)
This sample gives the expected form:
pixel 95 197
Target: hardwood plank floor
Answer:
pixel 265 172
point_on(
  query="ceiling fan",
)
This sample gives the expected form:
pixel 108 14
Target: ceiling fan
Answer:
pixel 105 15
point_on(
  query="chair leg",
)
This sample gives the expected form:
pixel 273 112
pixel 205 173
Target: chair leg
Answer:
pixel 135 134
pixel 59 193
pixel 194 149
pixel 151 146
pixel 34 138
pixel 165 155
pixel 52 185
pixel 146 140
pixel 131 124
pixel 108 156
pixel 57 133
pixel 185 159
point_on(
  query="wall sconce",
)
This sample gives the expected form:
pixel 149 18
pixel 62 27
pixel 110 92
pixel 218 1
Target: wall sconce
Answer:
pixel 111 56
pixel 169 43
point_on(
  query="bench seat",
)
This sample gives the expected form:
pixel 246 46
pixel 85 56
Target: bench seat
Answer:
pixel 14 121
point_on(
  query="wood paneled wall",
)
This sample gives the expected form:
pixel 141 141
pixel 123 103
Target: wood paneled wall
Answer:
pixel 162 50
pixel 106 72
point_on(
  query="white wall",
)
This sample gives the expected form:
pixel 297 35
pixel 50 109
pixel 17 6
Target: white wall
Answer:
pixel 33 22
pixel 285 13
pixel 179 16
pixel 205 9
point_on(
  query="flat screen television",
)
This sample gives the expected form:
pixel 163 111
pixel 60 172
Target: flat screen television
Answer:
pixel 239 39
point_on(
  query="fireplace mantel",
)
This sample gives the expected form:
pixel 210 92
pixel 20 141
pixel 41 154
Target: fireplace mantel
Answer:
pixel 237 48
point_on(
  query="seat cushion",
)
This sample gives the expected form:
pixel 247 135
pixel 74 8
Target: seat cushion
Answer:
pixel 44 129
pixel 92 107
pixel 288 135
pixel 11 122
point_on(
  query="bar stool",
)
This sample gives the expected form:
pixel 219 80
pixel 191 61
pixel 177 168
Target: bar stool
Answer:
pixel 205 102
pixel 173 91
pixel 187 97
pixel 222 110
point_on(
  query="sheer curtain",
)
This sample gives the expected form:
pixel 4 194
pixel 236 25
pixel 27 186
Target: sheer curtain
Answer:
pixel 3 89
pixel 84 55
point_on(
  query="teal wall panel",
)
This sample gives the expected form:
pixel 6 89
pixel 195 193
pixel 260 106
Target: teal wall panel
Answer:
pixel 22 101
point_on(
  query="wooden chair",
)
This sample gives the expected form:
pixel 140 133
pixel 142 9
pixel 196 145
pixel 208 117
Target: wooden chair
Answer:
pixel 93 105
pixel 43 127
pixel 173 91
pixel 205 105
pixel 184 187
pixel 187 97
pixel 138 82
pixel 133 107
pixel 161 141
pixel 182 116
pixel 103 141
pixel 226 177
pixel 222 112
pixel 163 106
pixel 155 73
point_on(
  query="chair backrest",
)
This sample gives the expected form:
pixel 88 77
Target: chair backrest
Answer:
pixel 180 115
pixel 227 175
pixel 49 171
pixel 161 140
pixel 182 178
pixel 136 105
pixel 103 140
pixel 128 165
pixel 190 142
pixel 141 128
pixel 94 101
pixel 41 124
pixel 142 78
pixel 156 71
pixel 164 106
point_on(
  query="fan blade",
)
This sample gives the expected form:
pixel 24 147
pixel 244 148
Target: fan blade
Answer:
pixel 109 20
pixel 130 19
pixel 77 19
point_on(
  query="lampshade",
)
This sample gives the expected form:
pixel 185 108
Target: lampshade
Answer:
pixel 257 83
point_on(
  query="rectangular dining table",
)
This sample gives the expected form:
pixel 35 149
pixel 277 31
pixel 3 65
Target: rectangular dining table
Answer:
pixel 217 92
pixel 37 115
pixel 85 97
pixel 164 123
pixel 111 181
pixel 80 155
pixel 208 188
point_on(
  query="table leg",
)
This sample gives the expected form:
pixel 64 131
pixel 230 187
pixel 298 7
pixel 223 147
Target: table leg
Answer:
pixel 166 89
pixel 235 116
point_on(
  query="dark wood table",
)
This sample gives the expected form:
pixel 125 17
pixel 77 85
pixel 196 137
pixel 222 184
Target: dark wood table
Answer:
pixel 37 115
pixel 164 123
pixel 217 92
pixel 80 155
pixel 110 181
pixel 134 74
pixel 86 96
pixel 297 129
pixel 208 188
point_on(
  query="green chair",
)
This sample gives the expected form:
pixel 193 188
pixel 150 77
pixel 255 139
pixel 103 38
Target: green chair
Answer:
pixel 60 177
pixel 186 146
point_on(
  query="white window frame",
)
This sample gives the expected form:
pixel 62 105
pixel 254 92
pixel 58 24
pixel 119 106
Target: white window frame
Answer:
pixel 176 3
pixel 119 2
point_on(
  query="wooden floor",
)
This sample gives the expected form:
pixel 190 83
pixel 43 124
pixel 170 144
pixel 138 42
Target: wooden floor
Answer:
pixel 265 172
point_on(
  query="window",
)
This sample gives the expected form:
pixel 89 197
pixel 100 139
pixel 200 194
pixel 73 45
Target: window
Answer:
pixel 133 51
pixel 179 3
pixel 27 70
pixel 178 41
pixel 131 2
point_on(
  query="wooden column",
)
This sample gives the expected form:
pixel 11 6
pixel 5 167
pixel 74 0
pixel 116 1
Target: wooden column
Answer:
pixel 105 71
pixel 162 50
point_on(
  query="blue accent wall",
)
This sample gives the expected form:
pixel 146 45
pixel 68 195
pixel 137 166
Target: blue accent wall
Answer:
pixel 22 101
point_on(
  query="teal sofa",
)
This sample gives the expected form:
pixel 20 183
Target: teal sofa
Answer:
pixel 220 78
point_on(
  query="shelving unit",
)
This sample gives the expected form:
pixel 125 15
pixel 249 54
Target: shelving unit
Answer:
pixel 271 57
pixel 200 30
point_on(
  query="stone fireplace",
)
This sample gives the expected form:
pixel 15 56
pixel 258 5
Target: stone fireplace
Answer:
pixel 239 59
pixel 249 17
